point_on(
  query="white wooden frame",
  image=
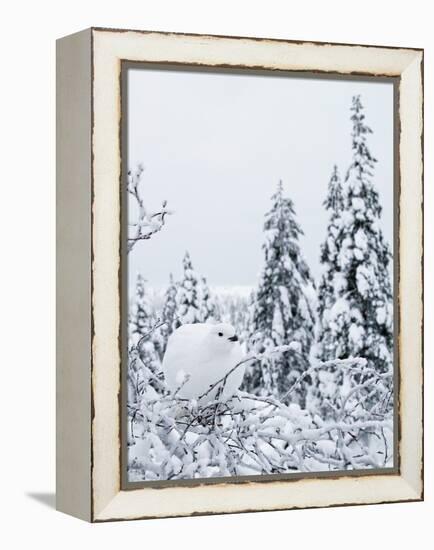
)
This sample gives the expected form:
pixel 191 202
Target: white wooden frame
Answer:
pixel 88 357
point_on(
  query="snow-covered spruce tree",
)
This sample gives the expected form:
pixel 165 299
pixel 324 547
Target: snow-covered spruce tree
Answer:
pixel 193 300
pixel 283 310
pixel 334 204
pixel 326 384
pixel 360 319
pixel 141 311
pixel 207 305
pixel 187 296
pixel 145 343
pixel 169 312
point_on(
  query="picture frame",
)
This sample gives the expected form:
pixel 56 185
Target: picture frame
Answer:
pixel 90 171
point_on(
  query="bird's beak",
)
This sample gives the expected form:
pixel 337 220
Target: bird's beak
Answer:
pixel 233 338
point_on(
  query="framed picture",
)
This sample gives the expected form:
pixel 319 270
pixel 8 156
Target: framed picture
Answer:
pixel 239 268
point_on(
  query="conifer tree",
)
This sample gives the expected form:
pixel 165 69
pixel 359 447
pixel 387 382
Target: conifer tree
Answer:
pixel 329 280
pixel 169 312
pixel 361 316
pixel 187 296
pixel 207 305
pixel 142 327
pixel 283 309
pixel 142 316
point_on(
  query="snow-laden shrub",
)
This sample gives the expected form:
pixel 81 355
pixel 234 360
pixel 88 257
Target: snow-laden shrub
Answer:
pixel 172 438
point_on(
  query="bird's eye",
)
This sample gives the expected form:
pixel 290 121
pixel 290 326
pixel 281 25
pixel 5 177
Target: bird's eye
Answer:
pixel 220 333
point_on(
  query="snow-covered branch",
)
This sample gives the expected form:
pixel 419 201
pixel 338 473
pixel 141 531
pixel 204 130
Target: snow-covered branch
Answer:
pixel 173 438
pixel 252 357
pixel 351 362
pixel 146 223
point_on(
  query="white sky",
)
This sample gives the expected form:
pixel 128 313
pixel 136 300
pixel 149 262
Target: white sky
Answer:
pixel 215 145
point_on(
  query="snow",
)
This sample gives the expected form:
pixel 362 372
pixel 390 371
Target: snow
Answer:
pixel 339 282
pixel 295 346
pixel 277 323
pixel 364 278
pixel 284 296
pixel 361 240
pixel 356 334
pixel 358 254
pixel 326 447
pixel 358 204
pixel 340 307
pixel 381 314
pixel 347 218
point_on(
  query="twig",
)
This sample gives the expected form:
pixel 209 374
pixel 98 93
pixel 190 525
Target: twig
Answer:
pixel 279 349
pixel 146 225
pixel 323 365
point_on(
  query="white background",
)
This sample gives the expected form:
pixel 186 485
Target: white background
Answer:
pixel 27 105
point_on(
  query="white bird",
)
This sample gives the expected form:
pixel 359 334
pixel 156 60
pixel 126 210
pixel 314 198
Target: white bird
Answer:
pixel 204 353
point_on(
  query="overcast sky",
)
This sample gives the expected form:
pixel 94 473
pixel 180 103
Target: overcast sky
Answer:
pixel 215 145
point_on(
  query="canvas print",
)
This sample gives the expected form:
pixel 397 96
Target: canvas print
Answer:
pixel 258 274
